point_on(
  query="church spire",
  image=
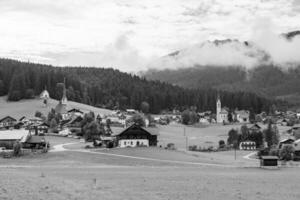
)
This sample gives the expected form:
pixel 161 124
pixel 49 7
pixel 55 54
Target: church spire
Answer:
pixel 64 97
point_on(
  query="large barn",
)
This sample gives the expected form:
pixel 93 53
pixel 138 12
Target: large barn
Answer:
pixel 135 135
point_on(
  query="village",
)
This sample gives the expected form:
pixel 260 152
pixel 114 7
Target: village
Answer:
pixel 276 136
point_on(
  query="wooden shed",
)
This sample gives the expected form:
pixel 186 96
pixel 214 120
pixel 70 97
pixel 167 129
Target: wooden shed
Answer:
pixel 269 161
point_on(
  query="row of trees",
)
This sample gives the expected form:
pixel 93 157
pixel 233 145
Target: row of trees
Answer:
pixel 270 135
pixel 113 89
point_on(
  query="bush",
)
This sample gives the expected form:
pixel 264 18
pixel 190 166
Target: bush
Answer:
pixel 221 144
pixel 17 149
pixel 193 148
pixel 287 152
pixel 274 152
pixel 171 146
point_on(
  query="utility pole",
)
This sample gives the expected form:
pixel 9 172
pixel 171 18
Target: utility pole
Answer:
pixel 186 143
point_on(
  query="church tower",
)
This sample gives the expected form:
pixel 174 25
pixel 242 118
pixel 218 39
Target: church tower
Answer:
pixel 64 99
pixel 218 110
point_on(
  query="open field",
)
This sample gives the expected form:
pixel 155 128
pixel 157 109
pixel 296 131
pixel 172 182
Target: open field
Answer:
pixel 118 174
pixel 205 137
pixel 29 107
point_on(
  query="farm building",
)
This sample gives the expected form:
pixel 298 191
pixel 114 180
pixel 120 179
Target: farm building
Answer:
pixel 135 135
pixel 287 141
pixel 242 116
pixel 9 137
pixel 247 145
pixel 254 128
pixel 75 112
pixel 7 122
pixel 44 94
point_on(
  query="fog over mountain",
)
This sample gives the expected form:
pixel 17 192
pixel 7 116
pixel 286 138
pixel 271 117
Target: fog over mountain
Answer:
pixel 265 48
pixel 270 69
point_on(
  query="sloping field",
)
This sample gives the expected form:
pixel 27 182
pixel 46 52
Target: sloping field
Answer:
pixel 183 136
pixel 29 107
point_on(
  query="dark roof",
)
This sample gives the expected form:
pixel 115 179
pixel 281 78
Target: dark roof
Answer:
pixel 34 139
pixel 269 157
pixel 22 118
pixel 61 108
pixel 75 110
pixel 255 126
pixel 43 124
pixel 151 131
pixel 8 117
pixel 77 119
pixel 287 141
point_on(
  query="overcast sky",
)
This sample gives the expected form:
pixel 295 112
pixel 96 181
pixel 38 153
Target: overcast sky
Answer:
pixel 128 34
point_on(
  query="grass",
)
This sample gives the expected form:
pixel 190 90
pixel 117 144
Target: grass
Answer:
pixel 29 107
pixel 206 136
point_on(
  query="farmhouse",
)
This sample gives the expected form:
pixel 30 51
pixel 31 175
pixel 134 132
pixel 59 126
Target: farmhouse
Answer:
pixel 254 128
pixel 7 122
pixel 75 112
pixel 242 116
pixel 9 137
pixel 135 135
pixel 287 141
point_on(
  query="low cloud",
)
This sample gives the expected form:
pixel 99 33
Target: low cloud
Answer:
pixel 264 47
pixel 120 55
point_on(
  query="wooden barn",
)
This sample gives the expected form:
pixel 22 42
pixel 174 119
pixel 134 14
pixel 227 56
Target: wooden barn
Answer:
pixel 7 122
pixel 9 137
pixel 135 136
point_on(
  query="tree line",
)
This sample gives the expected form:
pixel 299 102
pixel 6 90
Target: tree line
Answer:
pixel 110 88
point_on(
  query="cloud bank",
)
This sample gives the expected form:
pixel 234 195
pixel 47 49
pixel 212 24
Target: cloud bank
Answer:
pixel 92 32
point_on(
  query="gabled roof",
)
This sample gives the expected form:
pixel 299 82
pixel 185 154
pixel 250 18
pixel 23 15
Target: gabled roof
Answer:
pixel 287 140
pixel 297 141
pixel 8 117
pixel 151 131
pixel 255 126
pixel 21 135
pixel 76 119
pixel 44 124
pixel 22 118
pixel 75 110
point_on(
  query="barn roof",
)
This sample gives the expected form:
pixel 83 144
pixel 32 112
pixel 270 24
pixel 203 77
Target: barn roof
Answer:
pixel 8 117
pixel 151 131
pixel 21 135
pixel 75 110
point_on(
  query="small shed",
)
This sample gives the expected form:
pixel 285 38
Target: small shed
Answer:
pixel 269 161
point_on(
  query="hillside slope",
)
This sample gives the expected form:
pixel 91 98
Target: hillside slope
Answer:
pixel 29 107
pixel 112 89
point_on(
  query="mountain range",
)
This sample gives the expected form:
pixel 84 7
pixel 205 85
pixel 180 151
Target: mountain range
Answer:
pixel 237 66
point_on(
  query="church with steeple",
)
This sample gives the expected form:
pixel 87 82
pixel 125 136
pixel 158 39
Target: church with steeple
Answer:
pixel 221 114
pixel 61 107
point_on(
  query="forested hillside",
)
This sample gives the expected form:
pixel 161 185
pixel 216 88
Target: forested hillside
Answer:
pixel 111 88
pixel 268 80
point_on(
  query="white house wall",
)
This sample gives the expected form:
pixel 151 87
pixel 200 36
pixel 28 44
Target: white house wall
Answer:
pixel 133 142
